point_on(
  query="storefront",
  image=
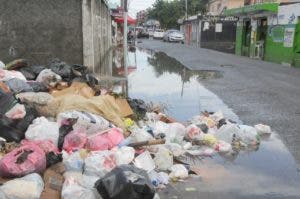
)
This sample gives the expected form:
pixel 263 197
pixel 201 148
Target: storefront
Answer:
pixel 268 31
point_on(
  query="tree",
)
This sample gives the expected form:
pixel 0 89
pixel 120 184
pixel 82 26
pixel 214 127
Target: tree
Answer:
pixel 167 13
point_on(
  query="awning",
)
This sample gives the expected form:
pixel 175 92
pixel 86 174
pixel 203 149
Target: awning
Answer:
pixel 252 9
pixel 129 20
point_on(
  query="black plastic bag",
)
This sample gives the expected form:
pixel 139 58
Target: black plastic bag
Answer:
pixel 7 101
pixel 124 182
pixel 14 130
pixel 53 158
pixel 27 72
pixel 138 106
pixel 38 87
pixel 61 68
pixel 63 131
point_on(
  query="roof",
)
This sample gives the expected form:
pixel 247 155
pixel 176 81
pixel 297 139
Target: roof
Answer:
pixel 255 8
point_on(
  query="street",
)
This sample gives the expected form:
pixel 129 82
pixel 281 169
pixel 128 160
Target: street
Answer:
pixel 252 91
pixel 269 92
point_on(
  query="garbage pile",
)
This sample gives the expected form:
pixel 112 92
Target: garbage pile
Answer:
pixel 64 136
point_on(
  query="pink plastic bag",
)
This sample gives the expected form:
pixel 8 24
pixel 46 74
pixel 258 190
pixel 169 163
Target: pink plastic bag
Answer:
pixel 46 145
pixel 105 140
pixel 74 141
pixel 28 158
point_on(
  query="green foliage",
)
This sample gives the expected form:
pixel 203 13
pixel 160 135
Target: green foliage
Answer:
pixel 168 12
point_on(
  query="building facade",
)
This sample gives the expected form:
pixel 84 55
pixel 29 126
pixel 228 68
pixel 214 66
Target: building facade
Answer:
pixel 268 30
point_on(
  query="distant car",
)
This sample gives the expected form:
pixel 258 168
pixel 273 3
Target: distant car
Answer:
pixel 142 33
pixel 174 36
pixel 158 34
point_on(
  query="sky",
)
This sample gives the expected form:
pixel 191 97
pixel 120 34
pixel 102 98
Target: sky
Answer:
pixel 136 5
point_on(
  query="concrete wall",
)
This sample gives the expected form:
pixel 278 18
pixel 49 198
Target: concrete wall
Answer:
pixel 41 29
pixel 76 31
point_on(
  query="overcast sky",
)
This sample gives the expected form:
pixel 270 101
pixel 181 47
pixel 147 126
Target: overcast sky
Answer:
pixel 136 5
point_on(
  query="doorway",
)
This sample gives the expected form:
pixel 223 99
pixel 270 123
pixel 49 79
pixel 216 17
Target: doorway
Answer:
pixel 246 37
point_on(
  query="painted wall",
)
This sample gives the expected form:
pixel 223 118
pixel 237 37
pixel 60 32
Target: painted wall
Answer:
pixel 235 4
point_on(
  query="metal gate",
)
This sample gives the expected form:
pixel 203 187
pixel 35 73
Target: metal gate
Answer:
pixel 218 34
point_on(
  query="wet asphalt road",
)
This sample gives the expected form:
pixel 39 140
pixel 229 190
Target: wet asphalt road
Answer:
pixel 255 90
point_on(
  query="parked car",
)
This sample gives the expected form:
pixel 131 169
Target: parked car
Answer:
pixel 158 34
pixel 174 36
pixel 150 32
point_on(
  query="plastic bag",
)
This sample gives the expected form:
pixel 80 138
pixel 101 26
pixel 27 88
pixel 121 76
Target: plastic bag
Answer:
pixel 176 149
pixel 178 171
pixel 100 163
pixel 91 123
pixel 124 155
pixel 139 135
pixel 105 140
pixel 47 146
pixel 61 68
pixel 37 86
pixel 144 161
pixel 125 181
pixel 17 112
pixel 64 130
pixel 2 65
pixel 227 131
pixel 42 129
pixel 175 133
pixel 32 98
pixel 163 159
pixel 24 160
pixel 263 129
pixel 18 86
pixel 79 186
pixel 75 140
pixel 248 135
pixel 27 187
pixel 193 131
pixel 223 147
pixel 48 78
pixel 158 178
pixel 73 161
pixel 13 130
pixel 6 75
pixel 7 101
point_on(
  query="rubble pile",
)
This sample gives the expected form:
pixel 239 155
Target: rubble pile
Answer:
pixel 62 135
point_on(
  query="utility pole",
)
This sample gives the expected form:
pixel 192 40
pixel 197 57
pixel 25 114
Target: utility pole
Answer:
pixel 186 16
pixel 125 37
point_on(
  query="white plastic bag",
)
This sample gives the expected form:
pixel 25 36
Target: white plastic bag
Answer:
pixel 175 133
pixel 42 129
pixel 139 135
pixel 124 155
pixel 6 75
pixel 2 65
pixel 48 78
pixel 248 135
pixel 27 187
pixel 176 149
pixel 88 122
pixel 178 171
pixel 144 161
pixel 263 129
pixel 73 161
pixel 17 112
pixel 163 158
pixel 223 147
pixel 99 163
pixel 79 186
pixel 227 131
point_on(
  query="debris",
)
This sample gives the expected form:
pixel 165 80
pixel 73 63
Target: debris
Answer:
pixel 144 161
pixel 263 129
pixel 27 187
pixel 178 171
pixel 125 181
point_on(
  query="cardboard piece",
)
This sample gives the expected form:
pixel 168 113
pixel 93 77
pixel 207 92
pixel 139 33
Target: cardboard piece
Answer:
pixel 123 105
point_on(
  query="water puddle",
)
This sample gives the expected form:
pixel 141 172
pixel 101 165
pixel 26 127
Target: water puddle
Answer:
pixel 267 172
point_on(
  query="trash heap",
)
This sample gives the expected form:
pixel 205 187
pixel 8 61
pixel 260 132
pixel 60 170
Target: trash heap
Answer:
pixel 64 136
